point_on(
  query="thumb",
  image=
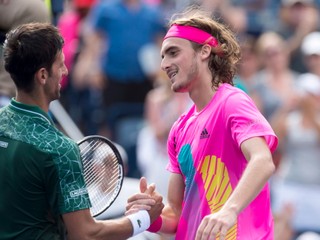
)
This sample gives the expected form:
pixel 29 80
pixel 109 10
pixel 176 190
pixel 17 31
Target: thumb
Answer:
pixel 143 184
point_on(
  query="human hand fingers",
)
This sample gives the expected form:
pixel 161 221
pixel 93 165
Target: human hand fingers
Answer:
pixel 157 197
pixel 133 207
pixel 223 233
pixel 151 188
pixel 143 184
pixel 156 211
pixel 203 231
pixel 215 225
pixel 210 231
pixel 137 208
pixel 140 199
pixel 144 188
pixel 143 201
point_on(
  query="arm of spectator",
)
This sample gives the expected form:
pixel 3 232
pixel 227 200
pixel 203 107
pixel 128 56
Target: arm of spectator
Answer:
pixel 155 106
pixel 309 104
pixel 87 69
pixel 278 119
pixel 308 22
pixel 257 100
pixel 279 124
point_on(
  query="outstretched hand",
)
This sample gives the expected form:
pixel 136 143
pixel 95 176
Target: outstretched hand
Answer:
pixel 147 199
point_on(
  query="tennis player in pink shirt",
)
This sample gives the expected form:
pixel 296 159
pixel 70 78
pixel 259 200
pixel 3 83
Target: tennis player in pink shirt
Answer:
pixel 221 149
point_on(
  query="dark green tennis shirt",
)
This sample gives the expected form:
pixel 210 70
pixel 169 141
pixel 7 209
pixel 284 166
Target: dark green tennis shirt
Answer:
pixel 40 175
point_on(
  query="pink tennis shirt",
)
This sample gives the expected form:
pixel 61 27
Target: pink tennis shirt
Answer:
pixel 204 147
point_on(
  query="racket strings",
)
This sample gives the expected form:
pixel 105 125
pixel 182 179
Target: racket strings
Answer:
pixel 101 172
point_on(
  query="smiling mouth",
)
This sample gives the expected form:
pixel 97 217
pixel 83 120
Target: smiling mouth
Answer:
pixel 172 74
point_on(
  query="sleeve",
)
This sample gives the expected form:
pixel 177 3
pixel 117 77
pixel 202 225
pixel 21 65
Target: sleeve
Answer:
pixel 173 164
pixel 67 181
pixel 245 120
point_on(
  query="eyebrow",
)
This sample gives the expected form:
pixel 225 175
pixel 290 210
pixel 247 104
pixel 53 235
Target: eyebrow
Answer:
pixel 168 50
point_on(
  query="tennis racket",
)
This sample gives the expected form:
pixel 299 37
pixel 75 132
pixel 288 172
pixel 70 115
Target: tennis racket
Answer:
pixel 103 171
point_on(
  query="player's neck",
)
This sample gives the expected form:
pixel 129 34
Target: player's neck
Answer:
pixel 32 99
pixel 202 96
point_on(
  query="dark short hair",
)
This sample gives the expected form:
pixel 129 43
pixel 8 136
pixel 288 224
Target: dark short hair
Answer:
pixel 28 48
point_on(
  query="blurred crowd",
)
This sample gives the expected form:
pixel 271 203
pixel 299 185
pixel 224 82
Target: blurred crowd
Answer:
pixel 115 86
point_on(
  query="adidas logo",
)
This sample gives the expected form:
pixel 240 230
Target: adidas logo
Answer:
pixel 204 134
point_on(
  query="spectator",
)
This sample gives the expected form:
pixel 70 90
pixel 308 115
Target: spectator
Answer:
pixel 120 73
pixel 297 19
pixel 12 14
pixel 249 64
pixel 310 48
pixel 81 100
pixel 296 184
pixel 275 82
pixel 250 16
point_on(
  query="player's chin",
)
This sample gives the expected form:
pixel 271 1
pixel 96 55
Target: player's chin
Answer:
pixel 178 88
pixel 175 87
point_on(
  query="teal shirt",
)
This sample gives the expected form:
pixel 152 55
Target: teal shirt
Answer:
pixel 40 175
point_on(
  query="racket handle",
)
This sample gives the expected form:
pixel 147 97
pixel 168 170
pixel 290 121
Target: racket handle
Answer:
pixel 156 225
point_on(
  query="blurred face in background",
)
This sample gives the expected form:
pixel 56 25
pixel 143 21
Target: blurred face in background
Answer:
pixel 295 13
pixel 272 51
pixel 249 63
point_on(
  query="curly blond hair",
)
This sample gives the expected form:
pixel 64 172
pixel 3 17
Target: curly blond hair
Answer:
pixel 224 58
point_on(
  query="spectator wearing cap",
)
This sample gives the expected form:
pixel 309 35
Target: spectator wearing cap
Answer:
pixel 310 48
pixel 296 184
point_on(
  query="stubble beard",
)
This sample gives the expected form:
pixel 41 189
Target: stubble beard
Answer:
pixel 183 86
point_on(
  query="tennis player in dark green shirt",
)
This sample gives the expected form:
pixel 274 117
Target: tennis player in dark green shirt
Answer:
pixel 42 190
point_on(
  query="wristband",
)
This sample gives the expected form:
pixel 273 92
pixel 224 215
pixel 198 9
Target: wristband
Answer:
pixel 156 225
pixel 140 221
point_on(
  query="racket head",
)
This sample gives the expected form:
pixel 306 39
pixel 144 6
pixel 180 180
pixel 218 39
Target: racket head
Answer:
pixel 103 171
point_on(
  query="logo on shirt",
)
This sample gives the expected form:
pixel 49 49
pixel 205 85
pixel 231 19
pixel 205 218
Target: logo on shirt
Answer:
pixel 78 192
pixel 204 134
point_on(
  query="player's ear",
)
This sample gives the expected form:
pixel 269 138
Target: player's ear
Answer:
pixel 41 76
pixel 206 51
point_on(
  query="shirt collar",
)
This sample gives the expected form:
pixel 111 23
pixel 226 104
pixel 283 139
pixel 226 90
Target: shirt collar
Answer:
pixel 30 110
